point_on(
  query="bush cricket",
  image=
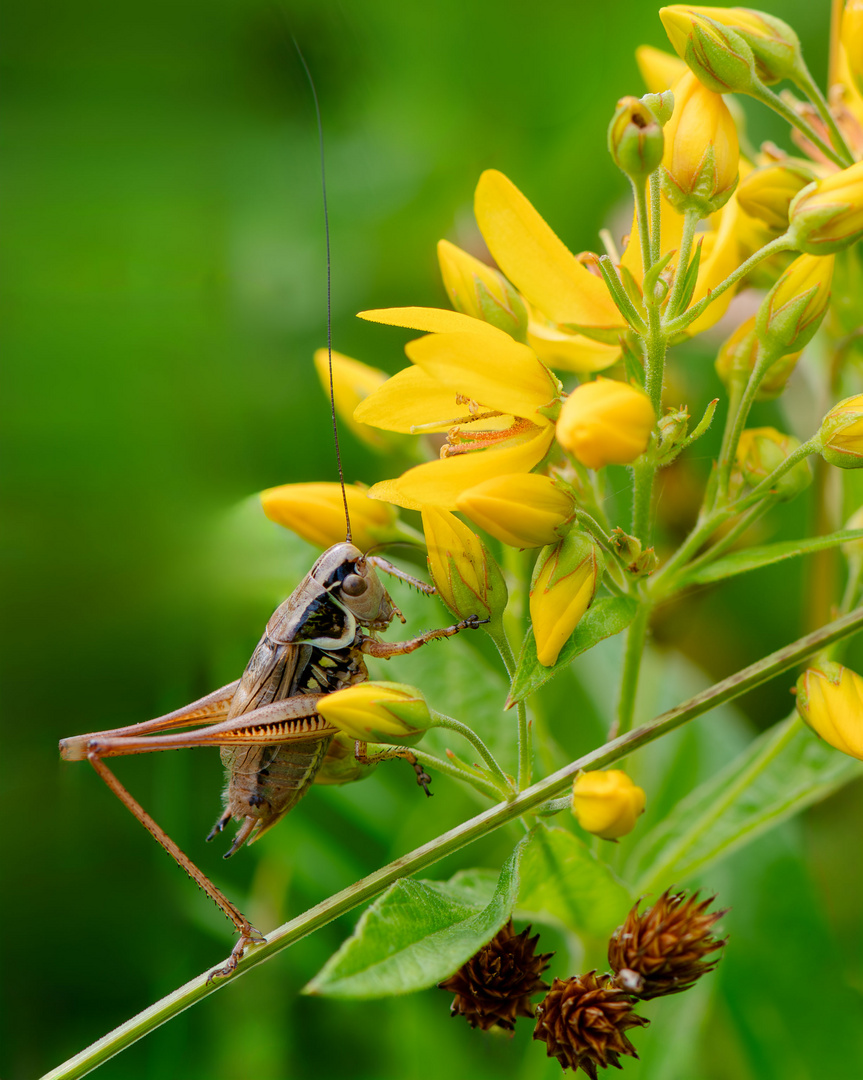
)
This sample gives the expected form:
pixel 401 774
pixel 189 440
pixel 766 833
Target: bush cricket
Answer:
pixel 272 741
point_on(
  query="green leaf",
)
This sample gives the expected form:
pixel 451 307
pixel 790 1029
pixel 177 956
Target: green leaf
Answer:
pixel 779 774
pixel 604 618
pixel 562 878
pixel 754 558
pixel 419 932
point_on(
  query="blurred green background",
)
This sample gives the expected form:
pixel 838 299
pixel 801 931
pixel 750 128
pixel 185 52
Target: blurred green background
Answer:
pixel 163 293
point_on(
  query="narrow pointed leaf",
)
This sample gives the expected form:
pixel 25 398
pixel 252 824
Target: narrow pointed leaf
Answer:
pixel 604 618
pixel 755 558
pixel 779 774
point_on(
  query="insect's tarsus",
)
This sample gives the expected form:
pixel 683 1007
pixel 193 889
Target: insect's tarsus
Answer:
pixel 329 284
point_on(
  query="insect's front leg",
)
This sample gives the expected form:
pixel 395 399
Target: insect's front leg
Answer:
pixel 383 650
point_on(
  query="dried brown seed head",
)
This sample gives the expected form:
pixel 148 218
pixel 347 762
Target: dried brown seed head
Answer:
pixel 582 1021
pixel 495 986
pixel 663 950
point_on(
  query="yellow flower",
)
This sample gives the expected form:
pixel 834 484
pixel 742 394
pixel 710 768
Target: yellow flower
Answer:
pixel 766 193
pixel 659 69
pixel 842 434
pixel 473 382
pixel 522 510
pixel 477 290
pixel 466 577
pixel 775 46
pixel 316 513
pixel 607 803
pixel 606 422
pixel 352 382
pixel 761 451
pixel 738 355
pixel 793 309
pixel 852 40
pixel 539 264
pixel 377 712
pixel 716 54
pixel 828 215
pixel 830 701
pixel 565 580
pixel 701 150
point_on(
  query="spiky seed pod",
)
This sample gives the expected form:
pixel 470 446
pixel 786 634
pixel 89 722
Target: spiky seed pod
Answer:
pixel 495 986
pixel 662 950
pixel 582 1021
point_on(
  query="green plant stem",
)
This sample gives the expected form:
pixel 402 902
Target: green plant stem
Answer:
pixel 812 90
pixel 636 636
pixel 655 220
pixel 504 785
pixel 640 196
pixel 690 221
pixel 665 582
pixel 525 755
pixel 428 854
pixel 737 529
pixel 734 430
pixel 773 101
pixel 678 325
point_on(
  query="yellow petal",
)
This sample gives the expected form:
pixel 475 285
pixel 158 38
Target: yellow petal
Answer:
pixel 570 352
pixel 439 483
pixel 410 398
pixel 659 69
pixel 353 381
pixel 536 261
pixel 499 373
pixel 432 321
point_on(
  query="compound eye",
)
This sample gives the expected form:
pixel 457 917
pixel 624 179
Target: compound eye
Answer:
pixel 354 585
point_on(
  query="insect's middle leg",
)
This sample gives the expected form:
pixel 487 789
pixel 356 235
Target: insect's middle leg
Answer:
pixel 383 650
pixel 361 753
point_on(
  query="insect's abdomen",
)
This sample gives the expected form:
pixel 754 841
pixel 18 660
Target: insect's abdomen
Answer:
pixel 265 782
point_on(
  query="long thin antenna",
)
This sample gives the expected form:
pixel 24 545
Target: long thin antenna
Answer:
pixel 329 286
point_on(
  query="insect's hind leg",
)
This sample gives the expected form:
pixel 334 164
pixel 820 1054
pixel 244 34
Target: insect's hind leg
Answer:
pixel 248 934
pixel 361 753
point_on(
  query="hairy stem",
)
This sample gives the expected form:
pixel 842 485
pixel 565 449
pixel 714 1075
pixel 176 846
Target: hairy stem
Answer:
pixel 504 785
pixel 526 801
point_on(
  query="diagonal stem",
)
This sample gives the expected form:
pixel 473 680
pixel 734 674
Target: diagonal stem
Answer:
pixel 527 801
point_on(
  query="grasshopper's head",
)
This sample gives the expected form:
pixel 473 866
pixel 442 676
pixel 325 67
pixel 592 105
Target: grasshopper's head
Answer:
pixel 350 578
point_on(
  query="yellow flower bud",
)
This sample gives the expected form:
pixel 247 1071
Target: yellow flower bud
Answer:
pixel 842 434
pixel 738 355
pixel 466 577
pixel 377 712
pixel 316 512
pixel 701 150
pixel 659 69
pixel 793 309
pixel 606 422
pixel 775 47
pixel 828 215
pixel 830 701
pixel 716 54
pixel 635 138
pixel 353 381
pixel 767 193
pixel 607 803
pixel 761 451
pixel 852 40
pixel 481 292
pixel 565 580
pixel 520 509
